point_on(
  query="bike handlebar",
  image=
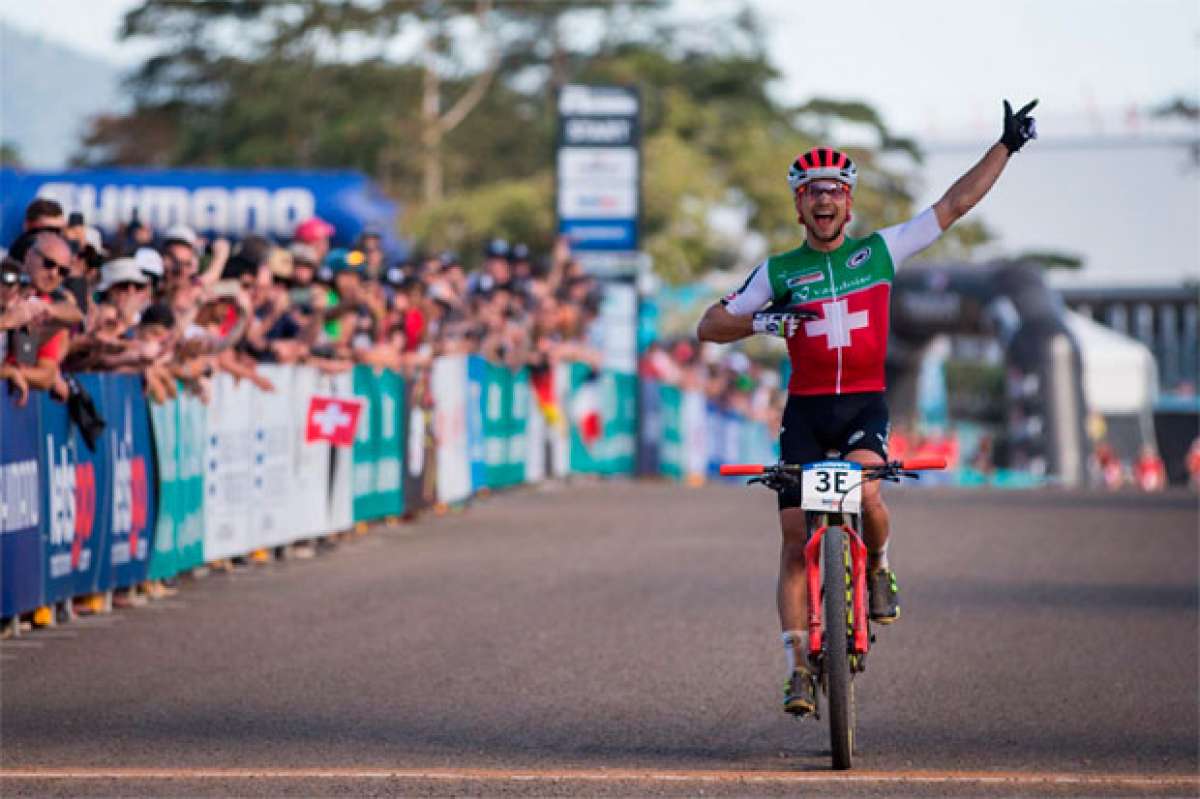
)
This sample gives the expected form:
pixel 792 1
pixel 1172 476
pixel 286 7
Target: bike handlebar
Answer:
pixel 741 469
pixel 755 469
pixel 918 464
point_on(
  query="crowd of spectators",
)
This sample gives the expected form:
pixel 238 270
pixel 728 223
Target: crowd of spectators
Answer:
pixel 177 309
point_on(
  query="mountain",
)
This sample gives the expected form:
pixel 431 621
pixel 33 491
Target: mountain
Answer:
pixel 47 93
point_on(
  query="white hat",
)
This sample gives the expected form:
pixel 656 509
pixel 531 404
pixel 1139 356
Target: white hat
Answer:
pixel 149 261
pixel 92 236
pixel 121 270
pixel 181 233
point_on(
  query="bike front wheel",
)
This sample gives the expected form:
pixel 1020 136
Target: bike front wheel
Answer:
pixel 836 599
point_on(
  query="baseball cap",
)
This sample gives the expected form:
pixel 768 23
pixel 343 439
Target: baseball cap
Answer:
pixel 313 229
pixel 180 233
pixel 121 270
pixel 149 261
pixel 496 248
pixel 303 253
pixel 449 258
pixel 520 252
pixel 343 260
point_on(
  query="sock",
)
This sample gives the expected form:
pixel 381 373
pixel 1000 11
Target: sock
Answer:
pixel 795 647
pixel 878 561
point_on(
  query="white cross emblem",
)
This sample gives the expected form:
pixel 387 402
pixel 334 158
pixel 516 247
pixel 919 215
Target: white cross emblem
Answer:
pixel 331 418
pixel 837 325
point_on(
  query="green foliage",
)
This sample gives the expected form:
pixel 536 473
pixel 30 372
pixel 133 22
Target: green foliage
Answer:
pixel 314 84
pixel 9 154
pixel 514 209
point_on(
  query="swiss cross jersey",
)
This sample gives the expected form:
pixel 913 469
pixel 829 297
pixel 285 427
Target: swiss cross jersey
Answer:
pixel 842 350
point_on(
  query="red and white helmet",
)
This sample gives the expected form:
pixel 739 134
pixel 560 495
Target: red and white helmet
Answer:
pixel 822 163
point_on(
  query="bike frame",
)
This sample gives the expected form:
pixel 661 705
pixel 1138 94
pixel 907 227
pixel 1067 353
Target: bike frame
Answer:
pixel 860 641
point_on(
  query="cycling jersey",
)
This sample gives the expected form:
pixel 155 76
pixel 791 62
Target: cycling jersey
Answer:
pixel 849 289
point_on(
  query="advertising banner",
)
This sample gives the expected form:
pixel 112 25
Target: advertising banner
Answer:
pixel 21 485
pixel 228 484
pixel 192 441
pixel 420 450
pixel 272 445
pixel 449 383
pixel 695 435
pixel 518 427
pixel 223 202
pixel 389 464
pixel 77 501
pixel 164 557
pixel 599 167
pixel 365 452
pixel 496 412
pixel 477 376
pixel 134 495
pixel 670 462
pixel 308 512
pixel 341 468
pixel 535 469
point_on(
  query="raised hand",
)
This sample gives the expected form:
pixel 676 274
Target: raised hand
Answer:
pixel 1019 127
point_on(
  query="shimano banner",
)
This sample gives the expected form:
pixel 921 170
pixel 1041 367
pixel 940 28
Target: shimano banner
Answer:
pixel 211 201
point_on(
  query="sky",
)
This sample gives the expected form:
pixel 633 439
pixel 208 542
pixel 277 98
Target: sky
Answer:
pixel 937 70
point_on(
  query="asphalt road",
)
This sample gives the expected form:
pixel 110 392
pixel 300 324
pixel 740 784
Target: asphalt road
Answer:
pixel 620 638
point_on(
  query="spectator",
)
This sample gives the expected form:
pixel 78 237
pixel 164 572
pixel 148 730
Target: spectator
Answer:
pixel 40 344
pixel 316 233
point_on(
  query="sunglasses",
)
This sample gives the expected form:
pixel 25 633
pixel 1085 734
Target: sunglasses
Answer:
pixel 126 285
pixel 50 263
pixel 833 188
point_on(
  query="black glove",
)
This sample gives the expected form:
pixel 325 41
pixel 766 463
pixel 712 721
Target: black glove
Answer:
pixel 1019 127
pixel 83 413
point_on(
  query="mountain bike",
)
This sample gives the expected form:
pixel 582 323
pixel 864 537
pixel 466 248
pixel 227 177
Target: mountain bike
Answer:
pixel 835 561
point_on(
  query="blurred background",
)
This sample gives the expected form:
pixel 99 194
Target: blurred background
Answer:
pixel 1050 336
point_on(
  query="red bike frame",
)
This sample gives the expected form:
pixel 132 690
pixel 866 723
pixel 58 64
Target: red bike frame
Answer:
pixel 861 640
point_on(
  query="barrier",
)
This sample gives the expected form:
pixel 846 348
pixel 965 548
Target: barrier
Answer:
pixel 169 487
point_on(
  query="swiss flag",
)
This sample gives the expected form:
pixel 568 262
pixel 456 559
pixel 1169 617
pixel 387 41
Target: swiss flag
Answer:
pixel 333 419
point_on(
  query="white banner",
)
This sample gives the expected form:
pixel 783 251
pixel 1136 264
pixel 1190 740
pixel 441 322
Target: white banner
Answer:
pixel 229 476
pixel 535 442
pixel 308 511
pixel 449 387
pixel 695 435
pixel 274 442
pixel 560 441
pixel 341 485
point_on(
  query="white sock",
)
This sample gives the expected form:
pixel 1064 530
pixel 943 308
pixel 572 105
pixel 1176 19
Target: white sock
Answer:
pixel 880 558
pixel 795 647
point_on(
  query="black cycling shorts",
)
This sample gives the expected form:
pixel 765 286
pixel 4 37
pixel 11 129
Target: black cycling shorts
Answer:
pixel 815 426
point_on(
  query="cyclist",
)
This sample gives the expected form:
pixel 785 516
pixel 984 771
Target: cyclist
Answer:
pixel 829 300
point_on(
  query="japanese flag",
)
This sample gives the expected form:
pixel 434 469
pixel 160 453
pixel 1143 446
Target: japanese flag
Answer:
pixel 333 419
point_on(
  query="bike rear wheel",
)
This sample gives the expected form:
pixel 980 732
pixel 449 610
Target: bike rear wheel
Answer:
pixel 837 604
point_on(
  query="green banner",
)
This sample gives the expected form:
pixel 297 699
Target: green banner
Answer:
pixel 613 396
pixel 378 446
pixel 179 435
pixel 497 408
pixel 517 424
pixel 671 416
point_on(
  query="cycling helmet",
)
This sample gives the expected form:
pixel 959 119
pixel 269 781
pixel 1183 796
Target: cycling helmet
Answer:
pixel 822 163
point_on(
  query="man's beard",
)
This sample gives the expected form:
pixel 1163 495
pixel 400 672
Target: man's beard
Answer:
pixel 814 231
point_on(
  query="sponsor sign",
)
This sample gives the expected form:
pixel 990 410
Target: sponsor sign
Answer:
pixel 211 201
pixel 133 499
pixel 21 488
pixel 599 167
pixel 449 382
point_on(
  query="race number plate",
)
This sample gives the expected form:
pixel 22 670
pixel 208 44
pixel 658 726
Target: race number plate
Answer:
pixel 831 486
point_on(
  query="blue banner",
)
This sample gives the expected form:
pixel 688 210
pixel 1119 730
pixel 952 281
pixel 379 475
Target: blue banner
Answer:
pixel 477 374
pixel 20 508
pixel 133 497
pixel 210 201
pixel 76 508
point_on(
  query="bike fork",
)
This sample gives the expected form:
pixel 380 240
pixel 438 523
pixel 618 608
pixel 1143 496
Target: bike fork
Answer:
pixel 861 638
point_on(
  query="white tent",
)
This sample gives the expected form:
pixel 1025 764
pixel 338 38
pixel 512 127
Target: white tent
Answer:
pixel 1119 372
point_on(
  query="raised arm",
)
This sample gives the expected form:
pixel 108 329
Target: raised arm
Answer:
pixel 968 190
